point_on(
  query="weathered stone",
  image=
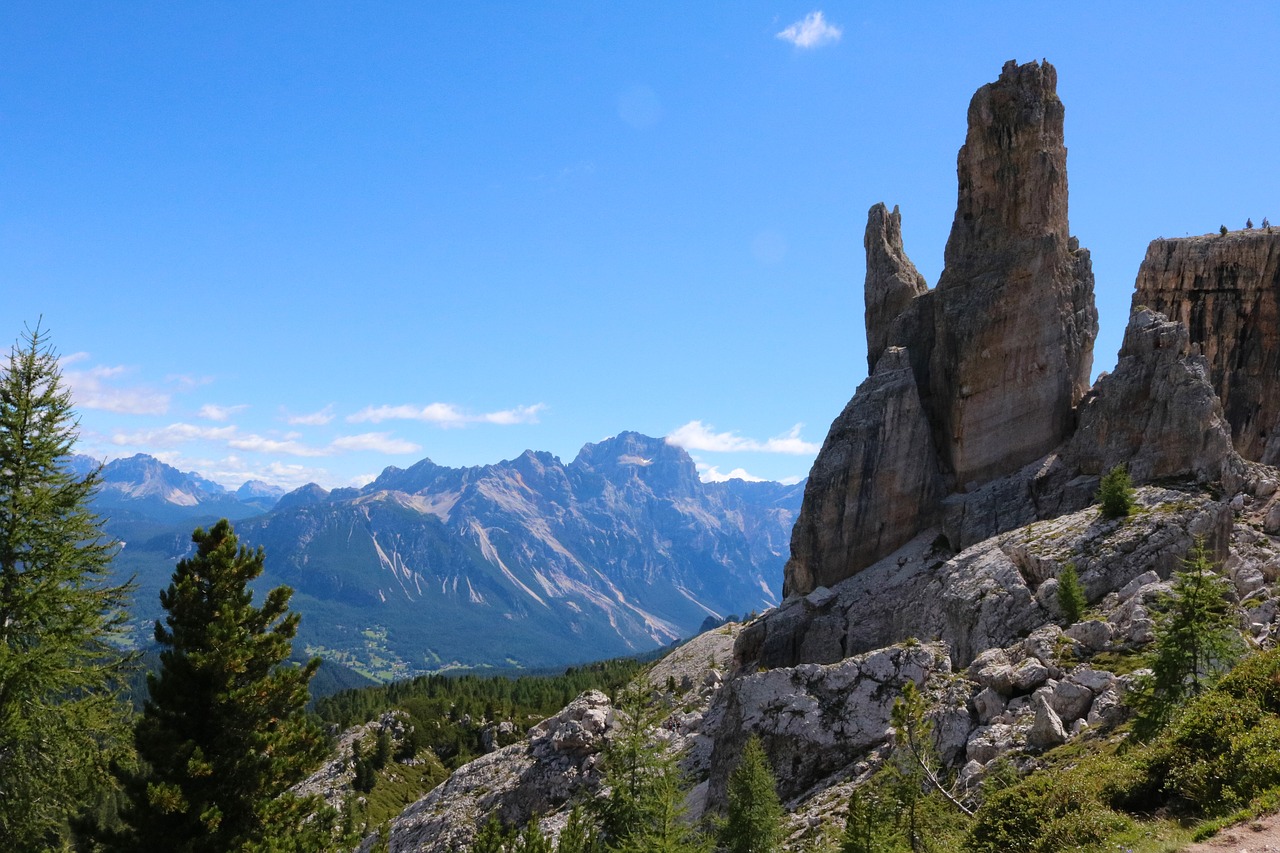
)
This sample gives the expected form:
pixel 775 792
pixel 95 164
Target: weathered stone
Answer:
pixel 1226 291
pixel 1029 675
pixel 989 704
pixel 892 280
pixel 1094 634
pixel 990 742
pixel 1047 729
pixel 1015 318
pixel 1156 413
pixel 873 486
pixel 1071 701
pixel 1096 680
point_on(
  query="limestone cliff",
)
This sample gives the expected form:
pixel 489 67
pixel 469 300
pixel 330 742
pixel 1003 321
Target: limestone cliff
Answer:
pixel 1226 291
pixel 1015 318
pixel 971 381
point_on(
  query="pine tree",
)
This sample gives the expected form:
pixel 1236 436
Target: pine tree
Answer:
pixel 754 823
pixel 223 734
pixel 1196 641
pixel 60 721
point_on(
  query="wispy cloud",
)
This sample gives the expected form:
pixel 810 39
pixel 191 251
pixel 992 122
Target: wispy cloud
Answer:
pixel 319 418
pixel 288 445
pixel 446 415
pixel 811 31
pixel 173 434
pixel 696 435
pixel 97 388
pixel 214 412
pixel 378 442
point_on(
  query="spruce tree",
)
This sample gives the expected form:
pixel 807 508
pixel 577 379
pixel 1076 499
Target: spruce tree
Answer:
pixel 754 823
pixel 1115 493
pixel 224 734
pixel 60 721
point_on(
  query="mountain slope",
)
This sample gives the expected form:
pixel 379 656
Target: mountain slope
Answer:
pixel 527 562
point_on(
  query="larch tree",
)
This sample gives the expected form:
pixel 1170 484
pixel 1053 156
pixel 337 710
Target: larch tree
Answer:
pixel 60 719
pixel 224 734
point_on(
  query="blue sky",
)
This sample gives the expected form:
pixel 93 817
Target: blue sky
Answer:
pixel 304 241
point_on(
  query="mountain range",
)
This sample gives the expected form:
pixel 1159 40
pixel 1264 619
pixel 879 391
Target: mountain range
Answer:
pixel 529 562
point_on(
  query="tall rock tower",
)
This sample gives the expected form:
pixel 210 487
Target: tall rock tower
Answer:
pixel 1015 319
pixel 976 378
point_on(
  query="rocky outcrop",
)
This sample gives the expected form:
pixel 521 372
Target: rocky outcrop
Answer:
pixel 976 379
pixel 1226 291
pixel 1015 317
pixel 559 758
pixel 874 484
pixel 814 720
pixel 1157 413
pixel 990 593
pixel 892 280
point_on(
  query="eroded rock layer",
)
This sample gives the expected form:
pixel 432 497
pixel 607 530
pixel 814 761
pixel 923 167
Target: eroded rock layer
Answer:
pixel 1226 290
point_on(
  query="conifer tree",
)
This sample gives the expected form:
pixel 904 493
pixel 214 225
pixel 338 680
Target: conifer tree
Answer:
pixel 754 823
pixel 644 812
pixel 1115 493
pixel 60 721
pixel 1196 640
pixel 1071 595
pixel 577 836
pixel 223 734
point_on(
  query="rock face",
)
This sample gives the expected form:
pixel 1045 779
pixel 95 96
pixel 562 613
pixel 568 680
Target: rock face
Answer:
pixel 1015 318
pixel 892 280
pixel 875 483
pixel 1157 413
pixel 976 379
pixel 1226 291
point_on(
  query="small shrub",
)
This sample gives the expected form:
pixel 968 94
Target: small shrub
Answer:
pixel 1222 229
pixel 1115 493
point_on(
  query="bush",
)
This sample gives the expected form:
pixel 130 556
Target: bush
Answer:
pixel 1116 493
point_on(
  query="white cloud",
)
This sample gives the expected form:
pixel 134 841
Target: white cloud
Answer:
pixel 262 444
pixel 696 435
pixel 214 412
pixel 319 418
pixel 289 445
pixel 711 474
pixel 446 415
pixel 379 442
pixel 94 388
pixel 812 31
pixel 173 434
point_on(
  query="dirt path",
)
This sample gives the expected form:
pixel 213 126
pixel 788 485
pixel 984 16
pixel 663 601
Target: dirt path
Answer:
pixel 1256 836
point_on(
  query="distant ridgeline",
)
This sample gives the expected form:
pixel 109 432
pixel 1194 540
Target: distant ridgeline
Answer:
pixel 525 563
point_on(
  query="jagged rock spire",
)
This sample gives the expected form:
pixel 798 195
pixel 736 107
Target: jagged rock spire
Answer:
pixel 892 280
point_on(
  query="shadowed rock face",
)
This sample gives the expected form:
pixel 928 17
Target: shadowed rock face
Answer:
pixel 973 380
pixel 1226 290
pixel 877 481
pixel 1015 317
